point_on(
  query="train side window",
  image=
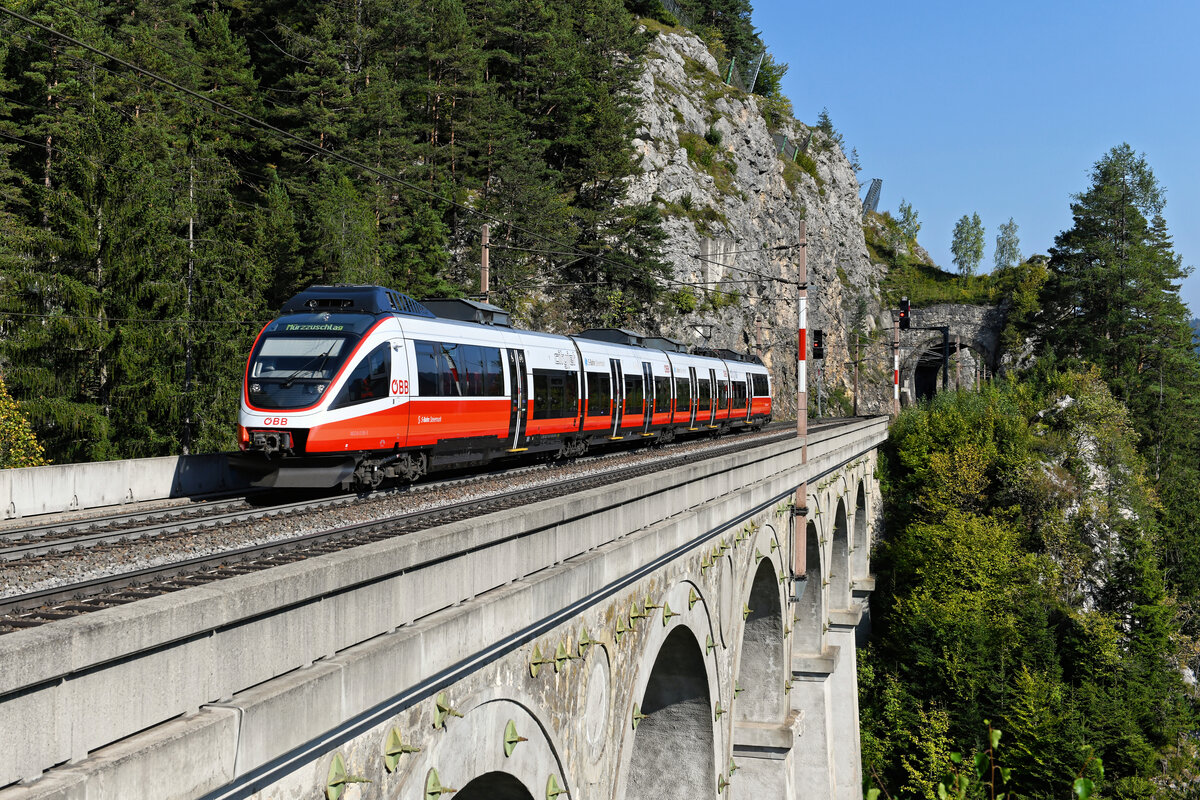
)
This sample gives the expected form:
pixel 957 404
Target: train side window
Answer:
pixel 739 394
pixel 599 394
pixel 555 394
pixel 683 394
pixel 472 370
pixel 427 368
pixel 493 381
pixel 662 395
pixel 761 388
pixel 722 394
pixel 450 371
pixel 369 379
pixel 704 395
pixel 634 399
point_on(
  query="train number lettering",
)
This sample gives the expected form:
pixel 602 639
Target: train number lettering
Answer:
pixel 275 421
pixel 399 387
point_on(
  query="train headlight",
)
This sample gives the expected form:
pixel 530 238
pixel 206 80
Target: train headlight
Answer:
pixel 255 388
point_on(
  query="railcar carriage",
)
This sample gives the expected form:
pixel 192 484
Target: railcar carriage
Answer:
pixel 355 384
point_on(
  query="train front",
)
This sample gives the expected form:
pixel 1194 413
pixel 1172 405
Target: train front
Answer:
pixel 295 363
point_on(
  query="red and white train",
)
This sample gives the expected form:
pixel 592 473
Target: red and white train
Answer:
pixel 355 384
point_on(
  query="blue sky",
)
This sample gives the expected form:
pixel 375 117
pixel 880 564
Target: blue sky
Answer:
pixel 1001 108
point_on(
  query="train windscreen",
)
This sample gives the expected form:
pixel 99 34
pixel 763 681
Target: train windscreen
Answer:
pixel 297 357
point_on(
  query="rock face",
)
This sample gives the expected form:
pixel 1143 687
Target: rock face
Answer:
pixel 734 208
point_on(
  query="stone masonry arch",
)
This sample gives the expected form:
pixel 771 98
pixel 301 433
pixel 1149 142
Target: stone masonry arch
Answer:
pixel 978 331
pixel 761 661
pixel 839 561
pixel 495 786
pixel 674 743
pixel 808 630
pixel 861 561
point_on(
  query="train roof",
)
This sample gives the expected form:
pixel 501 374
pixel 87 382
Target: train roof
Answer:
pixel 378 300
pixel 465 310
pixel 349 299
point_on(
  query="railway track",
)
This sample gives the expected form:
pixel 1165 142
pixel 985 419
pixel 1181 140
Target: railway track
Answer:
pixel 42 606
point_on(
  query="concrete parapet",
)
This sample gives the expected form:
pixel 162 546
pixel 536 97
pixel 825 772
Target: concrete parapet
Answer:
pixel 60 488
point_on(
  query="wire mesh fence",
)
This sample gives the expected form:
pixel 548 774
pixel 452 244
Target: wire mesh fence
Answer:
pixel 788 148
pixel 737 75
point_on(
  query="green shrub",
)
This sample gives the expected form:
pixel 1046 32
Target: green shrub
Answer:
pixel 713 136
pixel 710 161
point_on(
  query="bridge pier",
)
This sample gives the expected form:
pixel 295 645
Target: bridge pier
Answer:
pixel 812 692
pixel 765 757
pixel 847 746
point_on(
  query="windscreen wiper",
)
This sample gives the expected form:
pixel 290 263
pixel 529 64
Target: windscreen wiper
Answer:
pixel 287 384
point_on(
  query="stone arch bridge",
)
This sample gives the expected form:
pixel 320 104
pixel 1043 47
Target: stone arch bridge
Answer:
pixel 690 634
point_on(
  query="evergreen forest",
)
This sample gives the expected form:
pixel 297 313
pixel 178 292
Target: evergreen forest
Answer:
pixel 153 218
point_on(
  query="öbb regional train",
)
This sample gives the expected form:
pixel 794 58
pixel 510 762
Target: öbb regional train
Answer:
pixel 352 385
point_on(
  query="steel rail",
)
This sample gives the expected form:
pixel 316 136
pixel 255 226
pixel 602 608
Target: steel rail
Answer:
pixel 47 605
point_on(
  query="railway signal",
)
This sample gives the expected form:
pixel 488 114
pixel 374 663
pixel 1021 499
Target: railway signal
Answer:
pixel 818 344
pixel 905 314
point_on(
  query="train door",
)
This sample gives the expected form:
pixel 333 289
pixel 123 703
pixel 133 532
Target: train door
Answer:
pixel 749 394
pixel 713 401
pixel 399 392
pixel 618 394
pixel 518 415
pixel 694 400
pixel 648 397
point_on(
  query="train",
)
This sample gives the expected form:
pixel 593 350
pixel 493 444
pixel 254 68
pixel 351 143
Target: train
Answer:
pixel 351 386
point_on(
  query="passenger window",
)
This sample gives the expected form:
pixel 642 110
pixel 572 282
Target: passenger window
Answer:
pixel 599 395
pixel 493 372
pixel 555 394
pixel 449 371
pixel 634 401
pixel 683 394
pixel 662 395
pixel 704 395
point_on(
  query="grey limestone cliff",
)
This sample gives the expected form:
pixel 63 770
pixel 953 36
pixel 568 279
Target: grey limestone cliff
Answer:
pixel 734 207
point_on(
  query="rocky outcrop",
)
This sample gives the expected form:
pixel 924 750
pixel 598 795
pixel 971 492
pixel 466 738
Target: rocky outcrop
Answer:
pixel 734 206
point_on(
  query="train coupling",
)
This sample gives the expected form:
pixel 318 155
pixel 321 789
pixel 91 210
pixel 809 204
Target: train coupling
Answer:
pixel 271 441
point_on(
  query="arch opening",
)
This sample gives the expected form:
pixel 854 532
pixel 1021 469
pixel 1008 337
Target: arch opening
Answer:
pixel 673 744
pixel 810 598
pixel 862 543
pixel 839 563
pixel 494 786
pixel 760 668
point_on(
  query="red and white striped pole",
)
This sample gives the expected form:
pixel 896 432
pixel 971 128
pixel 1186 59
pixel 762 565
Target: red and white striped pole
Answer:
pixel 800 501
pixel 896 370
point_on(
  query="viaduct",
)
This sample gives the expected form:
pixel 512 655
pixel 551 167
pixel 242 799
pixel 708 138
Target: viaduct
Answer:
pixel 687 635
